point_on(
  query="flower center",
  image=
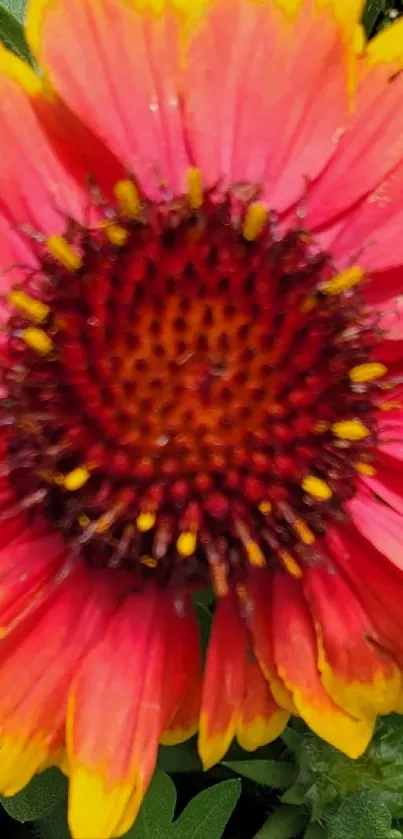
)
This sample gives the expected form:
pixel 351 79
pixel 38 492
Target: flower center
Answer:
pixel 188 393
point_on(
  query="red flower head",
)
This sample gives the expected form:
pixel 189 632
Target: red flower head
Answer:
pixel 200 218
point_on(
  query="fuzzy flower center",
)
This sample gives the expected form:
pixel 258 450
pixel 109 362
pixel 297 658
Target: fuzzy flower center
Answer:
pixel 189 394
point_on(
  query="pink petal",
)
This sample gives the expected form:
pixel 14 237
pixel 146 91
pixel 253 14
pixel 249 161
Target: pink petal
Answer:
pixel 117 70
pixel 238 91
pixel 381 525
pixel 369 150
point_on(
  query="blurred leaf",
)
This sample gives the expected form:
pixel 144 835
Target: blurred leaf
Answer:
pixel 154 820
pixel 16 7
pixel 12 32
pixel 315 831
pixel 271 773
pixel 38 798
pixel 54 826
pixel 182 758
pixel 363 816
pixel 207 814
pixel 285 823
pixel 326 777
pixel 205 617
pixel 205 597
pixel 373 8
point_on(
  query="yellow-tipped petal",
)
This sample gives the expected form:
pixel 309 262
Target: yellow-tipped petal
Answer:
pixel 20 760
pixel 212 747
pixel 95 810
pixel 20 72
pixel 387 46
pixel 261 731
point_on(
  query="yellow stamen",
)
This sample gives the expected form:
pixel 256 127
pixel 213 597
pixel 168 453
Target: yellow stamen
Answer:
pixel 391 406
pixel 255 555
pixel 344 281
pixel 84 520
pixel 219 580
pixel 145 521
pixel 316 487
pixel 186 543
pixel 127 198
pixel 353 430
pixel 149 561
pixel 367 372
pixel 309 304
pixel 242 592
pixel 254 221
pixel 195 188
pixel 290 564
pixel 37 339
pixel 321 426
pixel 76 478
pixel 106 521
pixel 116 234
pixel 265 507
pixel 303 531
pixel 365 469
pixel 35 309
pixel 29 424
pixel 60 249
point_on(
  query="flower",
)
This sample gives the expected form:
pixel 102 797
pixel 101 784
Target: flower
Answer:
pixel 200 215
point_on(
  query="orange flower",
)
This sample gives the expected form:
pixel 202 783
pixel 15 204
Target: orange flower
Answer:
pixel 200 218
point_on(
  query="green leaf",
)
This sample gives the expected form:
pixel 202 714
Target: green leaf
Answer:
pixel 54 826
pixel 326 777
pixel 314 831
pixel 182 758
pixel 205 597
pixel 205 617
pixel 11 29
pixel 363 815
pixel 373 8
pixel 154 820
pixel 38 798
pixel 16 7
pixel 285 823
pixel 269 773
pixel 207 814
